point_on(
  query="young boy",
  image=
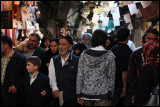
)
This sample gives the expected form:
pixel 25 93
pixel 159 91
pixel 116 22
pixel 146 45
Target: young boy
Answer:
pixel 34 86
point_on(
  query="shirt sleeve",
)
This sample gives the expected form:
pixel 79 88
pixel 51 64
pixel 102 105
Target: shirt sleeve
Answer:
pixel 51 75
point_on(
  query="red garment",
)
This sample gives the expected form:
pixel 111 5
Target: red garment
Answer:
pixel 19 16
pixel 151 53
pixel 13 36
pixel 14 6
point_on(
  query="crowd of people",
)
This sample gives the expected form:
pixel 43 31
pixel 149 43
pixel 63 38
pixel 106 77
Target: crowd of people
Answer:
pixel 96 71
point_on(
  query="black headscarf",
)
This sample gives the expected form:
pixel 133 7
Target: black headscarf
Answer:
pixel 81 47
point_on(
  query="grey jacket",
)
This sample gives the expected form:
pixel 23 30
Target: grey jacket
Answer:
pixel 96 75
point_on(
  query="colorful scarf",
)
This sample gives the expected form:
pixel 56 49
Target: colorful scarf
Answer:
pixel 151 53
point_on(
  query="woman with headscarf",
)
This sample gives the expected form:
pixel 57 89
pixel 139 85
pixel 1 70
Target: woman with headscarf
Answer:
pixel 78 49
pixel 86 39
pixel 52 51
pixel 45 43
pixel 145 81
pixel 110 43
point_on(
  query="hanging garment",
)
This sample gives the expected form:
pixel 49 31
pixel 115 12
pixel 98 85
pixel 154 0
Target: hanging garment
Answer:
pixel 33 14
pixel 5 6
pixel 6 20
pixel 30 2
pixel 110 25
pixel 25 12
pixel 14 6
pixel 16 2
pixel 10 5
pixel 13 36
pixel 19 16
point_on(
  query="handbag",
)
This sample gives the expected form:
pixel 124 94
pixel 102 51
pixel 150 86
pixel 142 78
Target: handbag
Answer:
pixel 154 96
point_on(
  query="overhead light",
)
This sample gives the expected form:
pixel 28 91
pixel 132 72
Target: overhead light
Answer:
pixel 83 1
pixel 97 3
pixel 101 3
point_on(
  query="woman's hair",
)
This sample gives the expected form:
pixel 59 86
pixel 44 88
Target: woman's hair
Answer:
pixel 53 40
pixel 99 38
pixel 79 46
pixel 112 42
pixel 43 40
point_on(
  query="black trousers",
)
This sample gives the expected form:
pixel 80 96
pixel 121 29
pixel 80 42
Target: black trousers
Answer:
pixel 4 98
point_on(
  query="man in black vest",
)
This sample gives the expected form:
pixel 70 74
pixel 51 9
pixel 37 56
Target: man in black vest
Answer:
pixel 63 73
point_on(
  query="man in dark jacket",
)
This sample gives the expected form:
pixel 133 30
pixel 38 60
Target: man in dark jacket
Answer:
pixel 13 66
pixel 63 72
pixel 35 50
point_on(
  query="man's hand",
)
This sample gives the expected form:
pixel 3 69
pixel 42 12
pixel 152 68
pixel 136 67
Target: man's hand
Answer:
pixel 43 93
pixel 55 93
pixel 132 99
pixel 12 89
pixel 124 92
pixel 80 101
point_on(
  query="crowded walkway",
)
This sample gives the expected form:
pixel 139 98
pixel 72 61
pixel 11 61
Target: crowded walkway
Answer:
pixel 97 67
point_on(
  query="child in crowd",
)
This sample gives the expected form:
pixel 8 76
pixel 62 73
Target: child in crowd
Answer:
pixel 79 48
pixel 34 86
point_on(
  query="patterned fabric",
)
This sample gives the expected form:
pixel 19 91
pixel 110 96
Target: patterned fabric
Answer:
pixel 14 6
pixel 33 14
pixel 151 53
pixel 30 2
pixel 5 6
pixel 10 5
pixel 97 77
pixel 4 63
pixel 6 20
pixel 25 11
pixel 19 16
